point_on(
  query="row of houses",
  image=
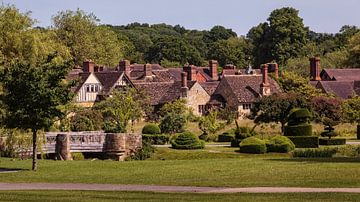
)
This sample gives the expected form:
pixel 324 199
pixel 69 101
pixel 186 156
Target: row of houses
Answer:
pixel 203 87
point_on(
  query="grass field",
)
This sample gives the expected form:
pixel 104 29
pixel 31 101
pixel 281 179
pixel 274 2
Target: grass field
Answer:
pixel 215 166
pixel 150 196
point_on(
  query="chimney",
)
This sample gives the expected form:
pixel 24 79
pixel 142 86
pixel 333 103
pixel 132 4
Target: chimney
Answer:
pixel 124 66
pixel 148 70
pixel 229 66
pixel 184 87
pixel 88 66
pixel 315 69
pixel 264 86
pixel 274 67
pixel 213 64
pixel 191 72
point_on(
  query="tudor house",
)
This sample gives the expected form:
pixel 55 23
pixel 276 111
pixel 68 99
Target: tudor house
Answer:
pixel 344 83
pixel 202 87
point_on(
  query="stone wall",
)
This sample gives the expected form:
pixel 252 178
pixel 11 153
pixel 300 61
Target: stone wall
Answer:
pixel 197 96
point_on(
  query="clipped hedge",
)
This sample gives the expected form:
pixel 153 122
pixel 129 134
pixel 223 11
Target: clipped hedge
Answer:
pixel 158 139
pixel 334 141
pixel 305 141
pixel 77 156
pixel 252 145
pixel 187 140
pixel 280 144
pixel 151 129
pixel 235 142
pixel 315 153
pixel 298 130
pixel 225 137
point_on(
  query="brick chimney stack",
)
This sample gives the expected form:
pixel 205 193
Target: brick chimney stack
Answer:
pixel 184 87
pixel 213 64
pixel 148 70
pixel 265 86
pixel 315 69
pixel 191 72
pixel 274 67
pixel 88 66
pixel 124 66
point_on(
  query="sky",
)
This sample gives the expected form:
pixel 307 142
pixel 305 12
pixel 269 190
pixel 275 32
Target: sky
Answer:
pixel 239 15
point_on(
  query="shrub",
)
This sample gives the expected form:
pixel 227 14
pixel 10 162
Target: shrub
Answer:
pixel 172 123
pixel 86 120
pixel 348 151
pixel 204 136
pixel 315 153
pixel 145 152
pixel 187 140
pixel 336 141
pixel 235 142
pixel 305 141
pixel 280 144
pixel 158 139
pixel 77 156
pixel 252 145
pixel 298 130
pixel 225 137
pixel 151 129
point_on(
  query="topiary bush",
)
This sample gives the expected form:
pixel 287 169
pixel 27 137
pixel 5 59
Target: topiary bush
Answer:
pixel 157 139
pixel 335 141
pixel 252 145
pixel 280 144
pixel 77 156
pixel 298 130
pixel 187 140
pixel 298 123
pixel 315 153
pixel 225 137
pixel 151 128
pixel 305 141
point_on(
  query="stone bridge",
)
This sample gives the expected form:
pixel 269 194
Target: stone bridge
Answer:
pixel 115 145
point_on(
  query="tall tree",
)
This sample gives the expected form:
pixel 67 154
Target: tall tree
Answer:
pixel 33 96
pixel 354 50
pixel 351 112
pixel 219 33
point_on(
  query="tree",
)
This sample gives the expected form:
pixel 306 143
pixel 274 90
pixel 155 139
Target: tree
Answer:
pixel 177 107
pixel 351 112
pixel 293 83
pixel 86 40
pixel 354 50
pixel 122 107
pixel 231 51
pixel 219 33
pixel 276 108
pixel 209 124
pixel 172 123
pixel 33 96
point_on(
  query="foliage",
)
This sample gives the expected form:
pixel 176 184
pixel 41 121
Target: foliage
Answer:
pixel 280 144
pixel 124 106
pixel 354 50
pixel 80 32
pixel 144 153
pixel 186 140
pixel 351 110
pixel 276 107
pixel 219 33
pixel 17 143
pixel 77 156
pixel 293 83
pixel 225 137
pixel 86 120
pixel 253 145
pixel 172 123
pixel 327 110
pixel 336 141
pixel 209 123
pixel 151 129
pixel 157 139
pixel 229 114
pixel 177 107
pixel 33 96
pixel 305 141
pixel 315 153
pixel 298 130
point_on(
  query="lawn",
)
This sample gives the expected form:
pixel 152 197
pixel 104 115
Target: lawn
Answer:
pixel 214 166
pixel 150 196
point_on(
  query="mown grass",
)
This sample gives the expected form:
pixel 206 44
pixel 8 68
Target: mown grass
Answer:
pixel 214 166
pixel 151 196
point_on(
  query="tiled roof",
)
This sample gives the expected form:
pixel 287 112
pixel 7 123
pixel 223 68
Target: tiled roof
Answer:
pixel 350 74
pixel 209 87
pixel 246 88
pixel 343 89
pixel 108 79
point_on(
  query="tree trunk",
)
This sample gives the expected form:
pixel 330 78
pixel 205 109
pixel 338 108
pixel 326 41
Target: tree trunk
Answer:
pixel 34 163
pixel 282 127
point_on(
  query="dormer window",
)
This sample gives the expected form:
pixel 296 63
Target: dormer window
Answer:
pixel 92 88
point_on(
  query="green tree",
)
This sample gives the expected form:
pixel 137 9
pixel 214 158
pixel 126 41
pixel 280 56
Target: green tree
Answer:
pixel 351 112
pixel 209 124
pixel 33 96
pixel 231 51
pixel 86 40
pixel 293 83
pixel 172 123
pixel 276 108
pixel 177 107
pixel 354 50
pixel 122 107
pixel 219 33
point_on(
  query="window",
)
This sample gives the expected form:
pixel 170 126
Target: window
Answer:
pixel 246 106
pixel 91 88
pixel 202 109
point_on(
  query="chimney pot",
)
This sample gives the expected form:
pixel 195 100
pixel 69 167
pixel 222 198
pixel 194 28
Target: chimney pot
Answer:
pixel 191 72
pixel 124 66
pixel 88 66
pixel 315 68
pixel 148 70
pixel 213 69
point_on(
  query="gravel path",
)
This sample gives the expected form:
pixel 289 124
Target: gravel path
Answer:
pixel 155 188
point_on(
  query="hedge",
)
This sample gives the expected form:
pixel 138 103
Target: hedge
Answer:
pixel 358 132
pixel 334 141
pixel 235 142
pixel 187 140
pixel 225 137
pixel 315 153
pixel 305 141
pixel 280 144
pixel 252 145
pixel 151 128
pixel 158 139
pixel 298 130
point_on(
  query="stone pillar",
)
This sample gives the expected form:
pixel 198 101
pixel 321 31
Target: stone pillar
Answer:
pixel 115 145
pixel 62 147
pixel 133 144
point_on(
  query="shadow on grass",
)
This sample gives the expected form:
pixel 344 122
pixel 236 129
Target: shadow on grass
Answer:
pixel 320 160
pixel 9 170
